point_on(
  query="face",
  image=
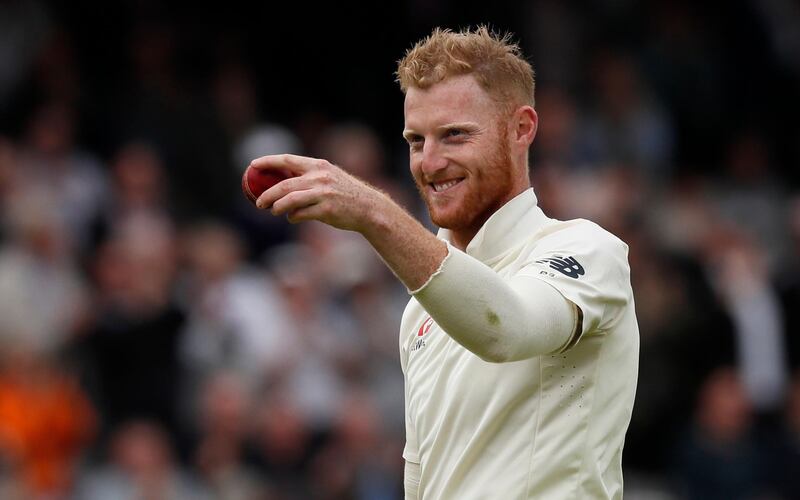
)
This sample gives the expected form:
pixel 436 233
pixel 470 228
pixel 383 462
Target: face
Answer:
pixel 460 153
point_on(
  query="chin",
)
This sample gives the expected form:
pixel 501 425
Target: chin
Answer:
pixel 455 218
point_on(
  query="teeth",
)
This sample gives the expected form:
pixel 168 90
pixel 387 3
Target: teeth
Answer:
pixel 444 185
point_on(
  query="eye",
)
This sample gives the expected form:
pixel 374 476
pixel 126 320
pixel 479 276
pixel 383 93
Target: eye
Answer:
pixel 454 133
pixel 415 141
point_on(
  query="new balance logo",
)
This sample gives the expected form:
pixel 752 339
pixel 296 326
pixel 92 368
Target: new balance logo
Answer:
pixel 564 265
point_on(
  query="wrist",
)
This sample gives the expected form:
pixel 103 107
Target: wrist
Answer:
pixel 382 217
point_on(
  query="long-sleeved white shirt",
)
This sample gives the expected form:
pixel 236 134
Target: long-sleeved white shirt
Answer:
pixel 520 357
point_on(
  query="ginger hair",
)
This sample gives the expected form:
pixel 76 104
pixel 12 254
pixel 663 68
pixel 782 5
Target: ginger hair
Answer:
pixel 493 60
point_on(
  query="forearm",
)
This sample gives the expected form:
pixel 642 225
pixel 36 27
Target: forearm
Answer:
pixel 497 320
pixel 412 252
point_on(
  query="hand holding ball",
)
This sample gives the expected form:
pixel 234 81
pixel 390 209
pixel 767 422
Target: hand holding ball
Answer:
pixel 256 180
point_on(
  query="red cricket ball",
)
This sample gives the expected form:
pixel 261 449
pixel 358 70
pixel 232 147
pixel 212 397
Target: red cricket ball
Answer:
pixel 255 181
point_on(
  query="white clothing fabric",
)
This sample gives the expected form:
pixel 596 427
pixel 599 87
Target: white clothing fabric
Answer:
pixel 494 318
pixel 550 425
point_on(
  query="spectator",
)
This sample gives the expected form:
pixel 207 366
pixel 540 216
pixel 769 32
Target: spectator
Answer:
pixel 44 298
pixel 283 443
pixel 139 188
pixel 357 463
pixel 141 465
pixel 719 458
pixel 132 351
pixel 741 280
pixel 229 302
pixel 750 197
pixel 74 179
pixel 225 413
pixel 627 125
pixel 45 422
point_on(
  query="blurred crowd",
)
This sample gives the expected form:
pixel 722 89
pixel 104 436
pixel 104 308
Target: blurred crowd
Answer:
pixel 160 338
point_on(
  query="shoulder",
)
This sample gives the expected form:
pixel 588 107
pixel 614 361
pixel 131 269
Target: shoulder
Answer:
pixel 587 264
pixel 582 245
pixel 579 236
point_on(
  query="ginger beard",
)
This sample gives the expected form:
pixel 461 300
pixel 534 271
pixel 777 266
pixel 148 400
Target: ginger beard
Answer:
pixel 490 184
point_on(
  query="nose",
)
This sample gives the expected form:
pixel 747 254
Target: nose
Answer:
pixel 432 159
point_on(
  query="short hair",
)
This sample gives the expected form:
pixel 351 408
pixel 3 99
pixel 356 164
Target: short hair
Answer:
pixel 494 60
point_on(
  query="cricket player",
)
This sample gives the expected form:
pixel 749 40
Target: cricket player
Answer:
pixel 519 345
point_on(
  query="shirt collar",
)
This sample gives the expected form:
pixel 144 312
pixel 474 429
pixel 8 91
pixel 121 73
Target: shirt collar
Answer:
pixel 511 224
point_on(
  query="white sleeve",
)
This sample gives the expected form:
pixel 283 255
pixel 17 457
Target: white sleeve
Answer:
pixel 411 480
pixel 498 320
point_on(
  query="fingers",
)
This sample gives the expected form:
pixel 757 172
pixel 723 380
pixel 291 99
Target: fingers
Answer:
pixel 296 200
pixel 311 212
pixel 303 205
pixel 281 189
pixel 295 164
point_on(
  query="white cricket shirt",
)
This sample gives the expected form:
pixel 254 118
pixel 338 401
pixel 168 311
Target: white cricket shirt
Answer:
pixel 547 427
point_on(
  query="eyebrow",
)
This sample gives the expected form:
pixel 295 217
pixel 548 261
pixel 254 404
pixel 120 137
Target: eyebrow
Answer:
pixel 407 133
pixel 465 125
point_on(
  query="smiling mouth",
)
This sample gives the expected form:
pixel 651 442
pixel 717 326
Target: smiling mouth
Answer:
pixel 444 186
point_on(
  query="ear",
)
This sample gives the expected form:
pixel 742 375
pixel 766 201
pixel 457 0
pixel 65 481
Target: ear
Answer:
pixel 525 124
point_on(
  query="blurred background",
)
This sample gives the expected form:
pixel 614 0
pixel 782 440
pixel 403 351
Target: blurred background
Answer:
pixel 162 339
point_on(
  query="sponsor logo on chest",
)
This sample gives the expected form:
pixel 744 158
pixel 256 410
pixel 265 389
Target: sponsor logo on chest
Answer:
pixel 419 340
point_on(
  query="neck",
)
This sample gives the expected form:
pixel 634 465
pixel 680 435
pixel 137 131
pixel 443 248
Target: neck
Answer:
pixel 460 239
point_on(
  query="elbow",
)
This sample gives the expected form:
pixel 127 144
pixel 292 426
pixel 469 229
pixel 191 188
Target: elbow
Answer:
pixel 494 357
pixel 508 348
pixel 495 351
pixel 499 345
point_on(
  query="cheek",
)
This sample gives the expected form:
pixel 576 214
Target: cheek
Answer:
pixel 477 153
pixel 414 166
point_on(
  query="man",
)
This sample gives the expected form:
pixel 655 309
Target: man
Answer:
pixel 519 345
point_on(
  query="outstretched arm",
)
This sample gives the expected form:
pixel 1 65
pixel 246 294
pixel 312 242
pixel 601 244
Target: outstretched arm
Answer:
pixel 496 320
